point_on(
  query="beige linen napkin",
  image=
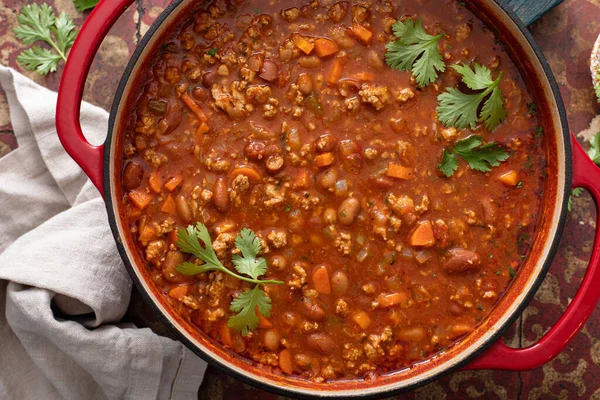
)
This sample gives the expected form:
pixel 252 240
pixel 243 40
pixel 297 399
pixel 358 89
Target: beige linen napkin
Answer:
pixel 63 287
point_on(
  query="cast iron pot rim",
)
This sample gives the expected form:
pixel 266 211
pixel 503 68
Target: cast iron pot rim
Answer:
pixel 210 358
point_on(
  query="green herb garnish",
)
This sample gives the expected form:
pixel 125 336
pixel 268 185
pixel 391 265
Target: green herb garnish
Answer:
pixel 39 23
pixel 479 156
pixel 464 110
pixel 212 51
pixel 82 5
pixel 594 151
pixel 415 50
pixel 576 192
pixel 189 241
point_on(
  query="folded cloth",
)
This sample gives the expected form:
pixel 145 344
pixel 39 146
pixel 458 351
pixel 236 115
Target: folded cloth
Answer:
pixel 63 287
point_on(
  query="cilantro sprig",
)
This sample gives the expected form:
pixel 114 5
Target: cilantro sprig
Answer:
pixel 594 150
pixel 479 156
pixel 82 5
pixel 39 23
pixel 464 110
pixel 196 240
pixel 415 50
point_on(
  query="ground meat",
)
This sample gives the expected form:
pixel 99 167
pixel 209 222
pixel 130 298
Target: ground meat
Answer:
pixel 239 185
pixel 145 125
pixel 213 315
pixel 405 95
pixel 191 302
pixel 258 94
pixel 290 14
pixel 277 238
pixel 266 358
pixel 223 243
pixel 165 227
pixel 344 243
pixel 215 289
pixel 232 101
pixel 298 277
pixel 400 205
pixel 276 197
pixel 155 252
pixel 377 96
pixel 462 32
pixel 155 158
pixel 341 308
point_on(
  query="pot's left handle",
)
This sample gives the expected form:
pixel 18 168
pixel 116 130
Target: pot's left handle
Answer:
pixel 499 356
pixel 72 83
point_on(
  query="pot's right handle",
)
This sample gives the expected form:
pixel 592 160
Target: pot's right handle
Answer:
pixel 499 356
pixel 72 83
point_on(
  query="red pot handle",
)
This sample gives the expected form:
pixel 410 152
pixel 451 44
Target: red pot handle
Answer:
pixel 499 356
pixel 70 91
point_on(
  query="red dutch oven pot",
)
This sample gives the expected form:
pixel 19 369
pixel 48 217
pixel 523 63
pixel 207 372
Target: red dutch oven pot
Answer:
pixel 568 166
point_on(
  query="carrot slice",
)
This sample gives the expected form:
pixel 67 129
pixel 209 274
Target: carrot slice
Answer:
pixel 252 173
pixel 302 179
pixel 389 300
pixel 285 361
pixel 140 199
pixel 194 107
pixel 510 178
pixel 172 183
pixel 422 235
pixel 264 322
pixel 335 73
pixel 168 205
pixel 303 44
pixel 364 76
pixel 321 280
pixel 147 234
pixel 202 129
pixel 325 47
pixel 362 34
pixel 361 319
pixel 399 172
pixel 226 336
pixel 324 159
pixel 178 292
pixel 155 181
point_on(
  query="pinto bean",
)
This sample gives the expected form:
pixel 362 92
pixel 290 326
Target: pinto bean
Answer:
pixel 325 143
pixel 221 195
pixel 328 178
pixel 460 260
pixel 269 71
pixel 173 117
pixel 338 11
pixel 303 360
pixel 339 282
pixel 172 259
pixel 208 78
pixel 254 150
pixel 305 84
pixel 271 339
pixel 274 163
pixel 321 342
pixel 348 210
pixel 183 209
pixel 132 175
pixel 313 310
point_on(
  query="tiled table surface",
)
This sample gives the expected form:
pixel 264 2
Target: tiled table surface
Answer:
pixel 566 36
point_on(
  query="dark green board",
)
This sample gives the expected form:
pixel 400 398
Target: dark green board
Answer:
pixel 530 10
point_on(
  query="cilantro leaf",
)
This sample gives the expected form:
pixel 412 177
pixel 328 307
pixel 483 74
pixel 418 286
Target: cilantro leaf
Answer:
pixel 576 192
pixel 39 23
pixel 479 156
pixel 248 263
pixel 82 5
pixel 196 240
pixel 40 60
pixel 463 110
pixel 594 151
pixel 449 163
pixel 246 305
pixel 415 51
